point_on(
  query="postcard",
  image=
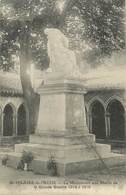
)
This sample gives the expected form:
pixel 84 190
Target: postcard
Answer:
pixel 62 97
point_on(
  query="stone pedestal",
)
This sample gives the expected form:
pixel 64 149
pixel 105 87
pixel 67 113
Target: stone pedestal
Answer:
pixel 62 122
pixel 62 108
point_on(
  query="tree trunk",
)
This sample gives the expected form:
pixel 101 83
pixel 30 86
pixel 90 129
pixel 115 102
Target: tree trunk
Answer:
pixel 31 98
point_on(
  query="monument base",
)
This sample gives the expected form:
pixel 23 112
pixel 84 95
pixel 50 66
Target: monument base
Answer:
pixel 66 152
pixel 70 168
pixel 74 159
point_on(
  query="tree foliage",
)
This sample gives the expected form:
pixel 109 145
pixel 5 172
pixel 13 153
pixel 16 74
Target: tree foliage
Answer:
pixel 94 27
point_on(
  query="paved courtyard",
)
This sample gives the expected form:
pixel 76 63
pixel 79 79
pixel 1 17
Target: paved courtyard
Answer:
pixel 12 177
pixel 13 182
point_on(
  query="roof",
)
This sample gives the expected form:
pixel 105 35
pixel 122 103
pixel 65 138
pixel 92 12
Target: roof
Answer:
pixel 10 84
pixel 106 78
pixel 103 78
pixel 95 79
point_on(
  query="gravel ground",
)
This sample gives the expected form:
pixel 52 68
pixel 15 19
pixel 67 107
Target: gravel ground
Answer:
pixel 8 175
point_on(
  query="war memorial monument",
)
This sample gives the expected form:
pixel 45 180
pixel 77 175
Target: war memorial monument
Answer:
pixel 62 132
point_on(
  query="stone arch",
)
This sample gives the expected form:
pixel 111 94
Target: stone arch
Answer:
pixel 8 122
pixel 97 114
pixel 90 103
pixel 112 98
pixel 22 120
pixel 116 112
pixel 11 104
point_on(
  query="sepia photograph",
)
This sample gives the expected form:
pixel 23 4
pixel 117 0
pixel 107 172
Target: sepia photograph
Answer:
pixel 62 97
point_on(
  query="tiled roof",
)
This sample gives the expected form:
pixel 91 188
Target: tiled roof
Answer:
pixel 98 79
pixel 10 84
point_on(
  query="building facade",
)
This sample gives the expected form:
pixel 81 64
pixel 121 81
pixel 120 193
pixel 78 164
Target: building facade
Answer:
pixel 14 114
pixel 106 108
pixel 105 105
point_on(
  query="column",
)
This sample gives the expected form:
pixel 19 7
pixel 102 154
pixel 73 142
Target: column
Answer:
pixel 1 123
pixel 107 124
pixel 14 124
pixel 90 122
pixel 125 124
pixel 27 122
pixel 2 120
pixel 87 119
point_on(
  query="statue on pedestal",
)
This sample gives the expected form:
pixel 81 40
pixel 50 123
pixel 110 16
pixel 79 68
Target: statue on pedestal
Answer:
pixel 62 59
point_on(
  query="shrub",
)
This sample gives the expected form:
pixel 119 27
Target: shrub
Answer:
pixel 27 157
pixel 20 165
pixel 52 166
pixel 4 160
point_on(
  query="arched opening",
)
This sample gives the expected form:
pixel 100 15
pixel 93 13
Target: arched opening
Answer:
pixel 98 120
pixel 8 121
pixel 21 121
pixel 117 123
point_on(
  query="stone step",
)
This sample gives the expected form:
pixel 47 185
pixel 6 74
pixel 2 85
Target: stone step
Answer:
pixel 73 152
pixel 13 159
pixel 74 139
pixel 39 165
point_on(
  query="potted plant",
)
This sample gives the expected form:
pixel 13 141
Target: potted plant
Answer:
pixel 52 166
pixel 27 158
